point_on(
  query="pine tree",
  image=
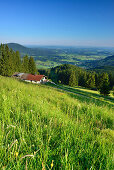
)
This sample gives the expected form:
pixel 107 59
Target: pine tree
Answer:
pixel 111 80
pixel 97 80
pixel 103 78
pixel 17 62
pixel 105 89
pixel 104 84
pixel 91 80
pixel 0 51
pixel 1 59
pixel 32 66
pixel 11 64
pixel 82 79
pixel 25 64
pixel 4 61
pixel 72 79
pixel 9 61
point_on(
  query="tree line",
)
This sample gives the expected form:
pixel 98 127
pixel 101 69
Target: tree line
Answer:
pixel 75 76
pixel 10 62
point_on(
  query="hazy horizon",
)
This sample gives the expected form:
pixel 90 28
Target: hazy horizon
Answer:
pixel 61 46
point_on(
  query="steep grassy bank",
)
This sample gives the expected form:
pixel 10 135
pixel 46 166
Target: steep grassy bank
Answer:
pixel 42 128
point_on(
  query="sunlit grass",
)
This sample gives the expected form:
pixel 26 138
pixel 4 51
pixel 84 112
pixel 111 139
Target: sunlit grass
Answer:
pixel 45 128
pixel 86 95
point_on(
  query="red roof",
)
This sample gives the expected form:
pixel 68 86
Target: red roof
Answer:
pixel 34 77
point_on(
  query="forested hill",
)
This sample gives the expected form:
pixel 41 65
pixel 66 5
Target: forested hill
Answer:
pixel 75 76
pixel 108 61
pixel 18 47
pixel 39 51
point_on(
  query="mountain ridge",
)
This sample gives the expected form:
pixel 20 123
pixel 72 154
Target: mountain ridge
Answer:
pixel 108 61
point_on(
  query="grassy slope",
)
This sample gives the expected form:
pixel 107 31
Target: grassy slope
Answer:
pixel 51 125
pixel 87 94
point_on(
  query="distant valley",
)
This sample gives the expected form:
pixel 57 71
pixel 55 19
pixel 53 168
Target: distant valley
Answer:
pixel 86 57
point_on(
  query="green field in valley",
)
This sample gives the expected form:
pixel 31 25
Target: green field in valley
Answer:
pixel 46 128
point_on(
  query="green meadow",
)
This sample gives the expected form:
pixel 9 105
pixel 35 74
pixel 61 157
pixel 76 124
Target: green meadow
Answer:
pixel 46 128
pixel 88 95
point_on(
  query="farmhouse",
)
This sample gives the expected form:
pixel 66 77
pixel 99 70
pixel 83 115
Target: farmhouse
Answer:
pixel 36 78
pixel 31 78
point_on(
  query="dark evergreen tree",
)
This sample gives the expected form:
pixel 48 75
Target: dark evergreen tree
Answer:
pixel 1 49
pixel 91 80
pixel 17 62
pixel 76 75
pixel 63 76
pixel 105 89
pixel 10 62
pixel 111 80
pixel 104 78
pixel 82 79
pixel 97 80
pixel 32 66
pixel 72 79
pixel 4 61
pixel 25 64
pixel 104 84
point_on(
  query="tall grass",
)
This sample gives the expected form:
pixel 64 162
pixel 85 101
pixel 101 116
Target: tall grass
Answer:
pixel 42 128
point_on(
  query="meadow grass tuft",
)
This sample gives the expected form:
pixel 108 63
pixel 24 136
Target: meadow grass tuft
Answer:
pixel 43 128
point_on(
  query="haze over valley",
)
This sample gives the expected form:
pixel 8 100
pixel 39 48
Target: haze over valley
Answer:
pixel 51 56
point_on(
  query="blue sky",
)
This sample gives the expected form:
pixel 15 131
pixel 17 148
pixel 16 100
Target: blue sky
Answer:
pixel 57 22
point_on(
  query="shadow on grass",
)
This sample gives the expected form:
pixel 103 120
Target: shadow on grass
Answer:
pixel 89 94
pixel 97 102
pixel 84 96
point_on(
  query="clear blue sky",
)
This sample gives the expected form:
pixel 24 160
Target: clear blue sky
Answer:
pixel 57 22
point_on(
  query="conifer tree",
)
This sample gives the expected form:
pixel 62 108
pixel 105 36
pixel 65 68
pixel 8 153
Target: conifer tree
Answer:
pixel 17 61
pixel 0 51
pixel 32 66
pixel 111 80
pixel 1 59
pixel 104 84
pixel 105 89
pixel 25 64
pixel 11 62
pixel 82 79
pixel 4 61
pixel 97 80
pixel 72 79
pixel 104 78
pixel 91 80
